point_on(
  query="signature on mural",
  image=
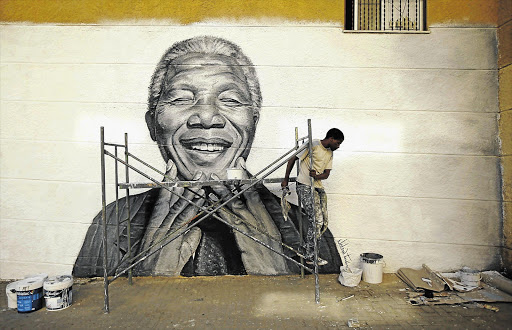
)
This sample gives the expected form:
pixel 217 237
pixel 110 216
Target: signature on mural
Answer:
pixel 203 109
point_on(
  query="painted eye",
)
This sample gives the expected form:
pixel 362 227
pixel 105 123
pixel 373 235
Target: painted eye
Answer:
pixel 232 99
pixel 181 101
pixel 180 97
pixel 230 102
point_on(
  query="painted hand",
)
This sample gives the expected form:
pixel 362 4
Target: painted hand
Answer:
pixel 169 214
pixel 250 216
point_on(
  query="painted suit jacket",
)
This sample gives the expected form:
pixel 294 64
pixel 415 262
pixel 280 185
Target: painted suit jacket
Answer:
pixel 217 253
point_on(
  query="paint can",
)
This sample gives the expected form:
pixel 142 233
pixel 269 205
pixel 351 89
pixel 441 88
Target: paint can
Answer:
pixel 235 173
pixel 58 292
pixel 29 294
pixel 350 277
pixel 469 277
pixel 372 265
pixel 43 276
pixel 10 291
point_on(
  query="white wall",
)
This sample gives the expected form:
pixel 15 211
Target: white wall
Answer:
pixel 416 180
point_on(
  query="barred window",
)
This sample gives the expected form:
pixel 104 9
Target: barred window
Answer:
pixel 385 15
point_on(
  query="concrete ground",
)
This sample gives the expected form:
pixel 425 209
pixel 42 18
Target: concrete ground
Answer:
pixel 251 302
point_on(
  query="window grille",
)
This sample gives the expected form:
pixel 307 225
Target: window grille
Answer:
pixel 385 15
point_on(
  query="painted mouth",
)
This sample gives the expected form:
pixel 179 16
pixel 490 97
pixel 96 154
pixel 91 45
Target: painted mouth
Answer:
pixel 211 145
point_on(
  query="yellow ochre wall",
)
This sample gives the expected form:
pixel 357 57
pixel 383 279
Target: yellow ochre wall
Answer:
pixel 94 11
pixel 505 123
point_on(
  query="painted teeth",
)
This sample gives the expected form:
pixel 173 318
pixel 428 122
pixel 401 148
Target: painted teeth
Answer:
pixel 207 147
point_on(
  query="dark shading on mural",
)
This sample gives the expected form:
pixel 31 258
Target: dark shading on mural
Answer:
pixel 204 105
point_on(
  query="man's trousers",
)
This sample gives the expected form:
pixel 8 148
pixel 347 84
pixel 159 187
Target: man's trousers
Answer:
pixel 318 213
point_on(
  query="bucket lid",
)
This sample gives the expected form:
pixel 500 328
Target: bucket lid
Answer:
pixel 59 282
pixel 44 276
pixel 371 256
pixel 28 284
pixel 11 287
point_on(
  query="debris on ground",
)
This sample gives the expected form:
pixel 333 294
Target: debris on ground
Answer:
pixel 353 323
pixel 489 307
pixel 346 298
pixel 434 288
pixel 495 279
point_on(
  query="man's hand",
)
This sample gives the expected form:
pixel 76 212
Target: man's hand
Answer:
pixel 171 212
pixel 250 216
pixel 320 176
pixel 289 167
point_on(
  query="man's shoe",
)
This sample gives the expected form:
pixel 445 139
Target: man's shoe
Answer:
pixel 321 262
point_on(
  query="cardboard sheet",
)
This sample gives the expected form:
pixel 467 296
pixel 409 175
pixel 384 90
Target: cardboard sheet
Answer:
pixel 423 278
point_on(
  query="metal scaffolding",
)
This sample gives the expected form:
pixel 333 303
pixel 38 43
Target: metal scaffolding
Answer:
pixel 126 264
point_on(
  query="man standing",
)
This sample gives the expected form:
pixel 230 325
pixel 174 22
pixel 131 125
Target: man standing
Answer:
pixel 322 165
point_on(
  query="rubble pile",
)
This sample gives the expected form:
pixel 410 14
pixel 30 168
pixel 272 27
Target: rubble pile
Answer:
pixel 465 286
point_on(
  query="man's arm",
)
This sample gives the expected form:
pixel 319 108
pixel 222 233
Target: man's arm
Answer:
pixel 321 176
pixel 289 168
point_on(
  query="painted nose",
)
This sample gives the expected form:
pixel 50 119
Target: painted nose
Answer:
pixel 206 115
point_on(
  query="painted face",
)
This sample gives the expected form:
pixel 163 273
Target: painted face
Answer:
pixel 204 119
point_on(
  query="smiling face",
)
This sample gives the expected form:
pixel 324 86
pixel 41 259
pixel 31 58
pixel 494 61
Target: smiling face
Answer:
pixel 204 119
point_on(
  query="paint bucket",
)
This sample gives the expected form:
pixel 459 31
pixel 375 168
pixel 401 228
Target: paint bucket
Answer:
pixel 43 276
pixel 469 277
pixel 58 292
pixel 372 267
pixel 235 173
pixel 29 294
pixel 350 278
pixel 10 291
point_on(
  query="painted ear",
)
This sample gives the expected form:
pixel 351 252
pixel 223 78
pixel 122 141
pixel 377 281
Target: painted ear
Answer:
pixel 256 116
pixel 150 121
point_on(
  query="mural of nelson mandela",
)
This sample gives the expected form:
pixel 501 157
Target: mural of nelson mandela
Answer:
pixel 204 105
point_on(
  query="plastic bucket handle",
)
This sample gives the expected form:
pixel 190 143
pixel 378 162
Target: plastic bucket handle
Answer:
pixel 371 258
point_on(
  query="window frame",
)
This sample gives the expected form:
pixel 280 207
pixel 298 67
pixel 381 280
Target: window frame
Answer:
pixel 351 22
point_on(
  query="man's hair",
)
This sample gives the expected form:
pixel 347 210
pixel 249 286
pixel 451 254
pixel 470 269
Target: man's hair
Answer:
pixel 336 134
pixel 206 45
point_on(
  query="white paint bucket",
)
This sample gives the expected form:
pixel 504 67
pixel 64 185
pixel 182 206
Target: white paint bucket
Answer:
pixel 10 291
pixel 29 294
pixel 352 278
pixel 469 277
pixel 58 292
pixel 43 276
pixel 373 265
pixel 235 173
